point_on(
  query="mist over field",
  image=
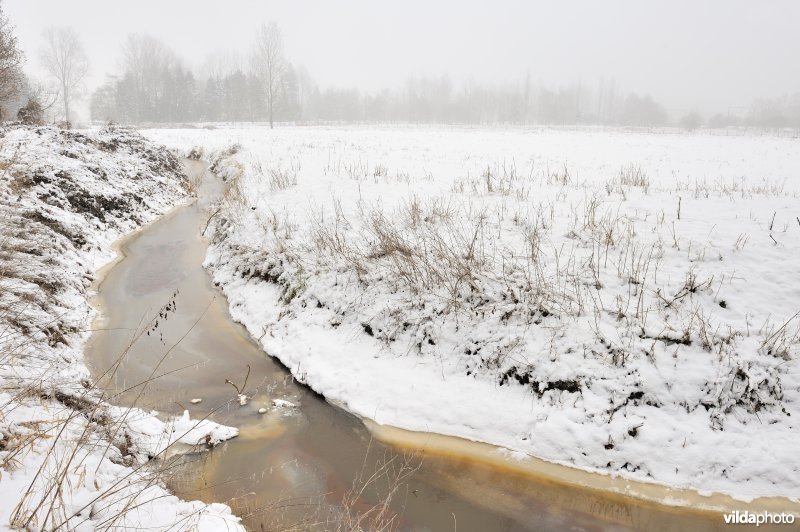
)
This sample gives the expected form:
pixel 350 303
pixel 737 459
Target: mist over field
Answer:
pixel 718 63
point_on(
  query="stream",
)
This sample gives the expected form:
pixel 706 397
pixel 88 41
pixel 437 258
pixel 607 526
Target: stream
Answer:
pixel 305 463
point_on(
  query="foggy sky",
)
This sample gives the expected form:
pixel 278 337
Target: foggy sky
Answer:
pixel 704 55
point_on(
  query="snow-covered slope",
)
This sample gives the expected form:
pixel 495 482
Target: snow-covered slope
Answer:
pixel 620 302
pixel 69 459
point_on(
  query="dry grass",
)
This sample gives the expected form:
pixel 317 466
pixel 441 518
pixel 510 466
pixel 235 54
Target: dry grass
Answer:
pixel 387 481
pixel 378 488
pixel 443 261
pixel 68 443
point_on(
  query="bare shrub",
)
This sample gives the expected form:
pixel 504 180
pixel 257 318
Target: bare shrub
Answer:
pixel 628 177
pixel 281 179
pixel 71 441
pixel 388 480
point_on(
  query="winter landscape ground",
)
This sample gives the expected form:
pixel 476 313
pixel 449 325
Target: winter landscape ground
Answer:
pixel 624 302
pixel 68 458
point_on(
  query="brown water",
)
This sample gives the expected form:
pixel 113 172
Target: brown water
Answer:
pixel 298 466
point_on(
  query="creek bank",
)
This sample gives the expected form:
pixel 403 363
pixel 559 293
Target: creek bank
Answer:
pixel 65 197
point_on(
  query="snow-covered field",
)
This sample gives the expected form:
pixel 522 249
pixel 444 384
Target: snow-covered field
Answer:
pixel 68 459
pixel 620 302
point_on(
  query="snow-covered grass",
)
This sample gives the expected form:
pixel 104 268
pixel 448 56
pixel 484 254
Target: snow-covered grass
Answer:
pixel 620 302
pixel 68 458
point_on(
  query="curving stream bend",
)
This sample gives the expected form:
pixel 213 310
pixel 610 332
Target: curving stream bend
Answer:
pixel 298 465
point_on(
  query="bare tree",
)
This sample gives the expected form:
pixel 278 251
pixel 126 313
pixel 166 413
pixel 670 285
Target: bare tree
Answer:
pixel 12 80
pixel 144 59
pixel 221 63
pixel 155 85
pixel 64 59
pixel 269 64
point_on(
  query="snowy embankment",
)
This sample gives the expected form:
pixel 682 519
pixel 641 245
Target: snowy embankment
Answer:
pixel 69 459
pixel 622 303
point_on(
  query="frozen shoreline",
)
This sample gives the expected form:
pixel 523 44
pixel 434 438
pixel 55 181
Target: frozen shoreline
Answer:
pixel 80 192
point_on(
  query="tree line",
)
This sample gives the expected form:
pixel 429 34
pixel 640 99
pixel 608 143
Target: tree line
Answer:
pixel 155 85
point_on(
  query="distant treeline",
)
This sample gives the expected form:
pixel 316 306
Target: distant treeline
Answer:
pixel 156 86
pixel 774 113
pixel 172 93
pixel 167 91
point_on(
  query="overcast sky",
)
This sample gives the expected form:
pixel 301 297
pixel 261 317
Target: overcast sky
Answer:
pixel 706 55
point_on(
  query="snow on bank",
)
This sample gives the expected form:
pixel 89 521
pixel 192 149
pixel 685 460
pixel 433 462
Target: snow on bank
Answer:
pixel 69 459
pixel 623 303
